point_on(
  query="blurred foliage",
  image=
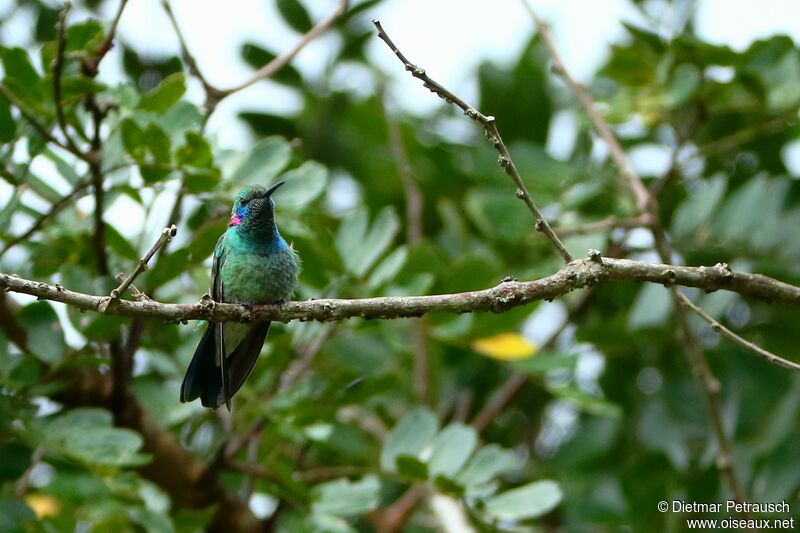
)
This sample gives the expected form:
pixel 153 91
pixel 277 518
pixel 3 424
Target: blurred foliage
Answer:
pixel 610 421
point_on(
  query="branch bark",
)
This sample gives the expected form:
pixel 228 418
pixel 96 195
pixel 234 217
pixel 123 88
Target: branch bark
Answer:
pixel 578 274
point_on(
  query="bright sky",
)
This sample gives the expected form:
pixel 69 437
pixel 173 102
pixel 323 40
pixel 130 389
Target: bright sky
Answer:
pixel 446 37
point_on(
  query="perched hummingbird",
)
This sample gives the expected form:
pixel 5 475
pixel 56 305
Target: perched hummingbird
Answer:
pixel 252 265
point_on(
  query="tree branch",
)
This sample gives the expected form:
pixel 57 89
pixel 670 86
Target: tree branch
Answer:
pixel 730 335
pixel 507 295
pixel 492 133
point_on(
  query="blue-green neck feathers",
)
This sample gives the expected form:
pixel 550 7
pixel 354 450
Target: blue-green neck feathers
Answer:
pixel 253 217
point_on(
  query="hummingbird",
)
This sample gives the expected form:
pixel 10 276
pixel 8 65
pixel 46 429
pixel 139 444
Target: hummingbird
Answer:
pixel 252 264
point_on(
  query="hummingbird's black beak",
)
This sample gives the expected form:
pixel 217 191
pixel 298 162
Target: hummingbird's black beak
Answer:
pixel 272 189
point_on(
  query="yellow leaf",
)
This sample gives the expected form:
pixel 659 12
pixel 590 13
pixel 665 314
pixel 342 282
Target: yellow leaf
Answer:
pixel 43 505
pixel 505 347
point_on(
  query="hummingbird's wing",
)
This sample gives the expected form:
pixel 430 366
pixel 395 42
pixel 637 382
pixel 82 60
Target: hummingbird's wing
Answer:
pixel 218 295
pixel 207 375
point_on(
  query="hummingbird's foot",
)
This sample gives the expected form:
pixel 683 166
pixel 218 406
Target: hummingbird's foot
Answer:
pixel 248 306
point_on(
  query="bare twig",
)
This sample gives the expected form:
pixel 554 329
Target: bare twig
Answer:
pixel 38 126
pixel 413 236
pixel 617 153
pixel 282 60
pixel 25 479
pixel 492 133
pixel 90 67
pixel 55 209
pixel 507 295
pixel 215 94
pixel 710 387
pixel 166 235
pixel 58 69
pixel 138 295
pixel 730 335
pixel 302 363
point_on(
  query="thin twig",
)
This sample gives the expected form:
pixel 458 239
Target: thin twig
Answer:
pixel 166 235
pixel 302 363
pixel 730 335
pixel 492 133
pixel 42 220
pixel 414 220
pixel 282 60
pixel 137 294
pixel 58 69
pixel 25 479
pixel 38 126
pixel 90 67
pixel 215 94
pixel 617 153
pixel 711 388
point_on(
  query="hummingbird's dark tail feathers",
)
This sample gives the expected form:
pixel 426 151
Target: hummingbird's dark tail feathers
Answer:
pixel 204 378
pixel 244 357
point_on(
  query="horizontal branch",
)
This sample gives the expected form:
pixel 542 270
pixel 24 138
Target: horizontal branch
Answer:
pixel 509 294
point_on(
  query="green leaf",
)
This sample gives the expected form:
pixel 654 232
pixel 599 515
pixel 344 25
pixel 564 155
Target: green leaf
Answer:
pixel 64 169
pixel 694 212
pixel 387 269
pixel 44 334
pixel 545 361
pixel 295 15
pixel 685 82
pixel 529 501
pixel 87 435
pixel 15 516
pixel 8 126
pixel 22 78
pixel 42 188
pixel 359 248
pixel 263 162
pixel 133 139
pixel 485 465
pixel 165 95
pixel 586 402
pixel 498 214
pixel 84 36
pixel 345 498
pixel 652 307
pixel 257 56
pixel 303 185
pixel 452 448
pixel 411 467
pixel 409 437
